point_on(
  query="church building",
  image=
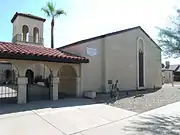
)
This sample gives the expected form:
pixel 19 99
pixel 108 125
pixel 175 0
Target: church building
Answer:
pixel 29 71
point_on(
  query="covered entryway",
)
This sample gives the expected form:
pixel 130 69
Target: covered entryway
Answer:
pixel 39 82
pixel 34 81
pixel 67 86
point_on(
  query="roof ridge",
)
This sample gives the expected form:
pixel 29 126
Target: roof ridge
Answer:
pixel 108 34
pixel 100 36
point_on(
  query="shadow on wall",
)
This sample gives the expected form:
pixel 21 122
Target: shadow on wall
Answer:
pixel 154 125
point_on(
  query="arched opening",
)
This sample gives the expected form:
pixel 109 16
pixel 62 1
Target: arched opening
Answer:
pixel 35 35
pixel 8 82
pixel 141 63
pixel 8 74
pixel 25 33
pixel 30 76
pixel 67 76
pixel 39 82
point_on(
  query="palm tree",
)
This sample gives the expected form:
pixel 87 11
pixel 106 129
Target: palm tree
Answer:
pixel 51 12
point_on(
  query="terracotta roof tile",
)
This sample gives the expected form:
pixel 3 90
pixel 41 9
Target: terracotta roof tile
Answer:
pixel 9 50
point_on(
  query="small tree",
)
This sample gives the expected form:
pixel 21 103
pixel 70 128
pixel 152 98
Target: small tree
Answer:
pixel 52 13
pixel 169 37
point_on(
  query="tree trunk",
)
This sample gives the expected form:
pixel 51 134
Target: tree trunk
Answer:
pixel 52 33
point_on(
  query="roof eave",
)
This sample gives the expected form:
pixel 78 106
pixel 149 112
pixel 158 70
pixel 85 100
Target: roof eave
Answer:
pixel 41 58
pixel 20 14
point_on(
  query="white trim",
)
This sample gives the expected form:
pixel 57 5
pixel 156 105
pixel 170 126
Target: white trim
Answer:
pixel 137 63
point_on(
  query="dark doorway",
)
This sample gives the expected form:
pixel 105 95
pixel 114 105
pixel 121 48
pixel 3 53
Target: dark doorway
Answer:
pixel 8 75
pixel 141 69
pixel 30 76
pixel 39 83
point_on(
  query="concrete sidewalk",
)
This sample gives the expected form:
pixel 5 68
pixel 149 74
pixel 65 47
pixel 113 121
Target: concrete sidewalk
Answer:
pixel 161 121
pixel 71 117
pixel 62 120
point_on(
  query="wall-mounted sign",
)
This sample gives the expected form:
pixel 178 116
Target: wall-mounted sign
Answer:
pixel 91 51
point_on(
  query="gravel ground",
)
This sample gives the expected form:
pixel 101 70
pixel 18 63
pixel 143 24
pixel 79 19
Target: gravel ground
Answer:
pixel 148 101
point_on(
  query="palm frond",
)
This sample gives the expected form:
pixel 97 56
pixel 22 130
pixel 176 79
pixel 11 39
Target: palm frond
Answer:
pixel 59 12
pixel 51 7
pixel 45 10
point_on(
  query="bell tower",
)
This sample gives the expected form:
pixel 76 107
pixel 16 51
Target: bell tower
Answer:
pixel 27 29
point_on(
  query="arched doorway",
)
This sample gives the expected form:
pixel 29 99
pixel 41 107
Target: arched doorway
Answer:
pixel 39 82
pixel 67 76
pixel 30 76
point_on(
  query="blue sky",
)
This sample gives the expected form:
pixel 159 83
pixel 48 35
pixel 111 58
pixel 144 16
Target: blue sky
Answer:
pixel 88 18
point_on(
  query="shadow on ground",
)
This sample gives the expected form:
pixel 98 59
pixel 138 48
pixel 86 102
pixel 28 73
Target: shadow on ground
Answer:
pixel 13 108
pixel 106 98
pixel 154 125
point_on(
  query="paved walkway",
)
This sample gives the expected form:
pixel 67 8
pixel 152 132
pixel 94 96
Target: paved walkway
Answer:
pixel 62 117
pixel 83 117
pixel 161 121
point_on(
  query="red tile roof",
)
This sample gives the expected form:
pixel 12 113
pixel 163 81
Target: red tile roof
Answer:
pixel 29 52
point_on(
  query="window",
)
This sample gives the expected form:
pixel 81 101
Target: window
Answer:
pixel 141 62
pixel 35 35
pixel 141 47
pixel 25 33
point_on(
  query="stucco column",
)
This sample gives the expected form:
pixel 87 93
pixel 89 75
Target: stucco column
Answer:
pixel 22 90
pixel 55 88
pixel 81 92
pixel 78 86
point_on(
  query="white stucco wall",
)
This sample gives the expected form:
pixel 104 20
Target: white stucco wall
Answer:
pixel 121 59
pixel 116 59
pixel 153 69
pixel 91 75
